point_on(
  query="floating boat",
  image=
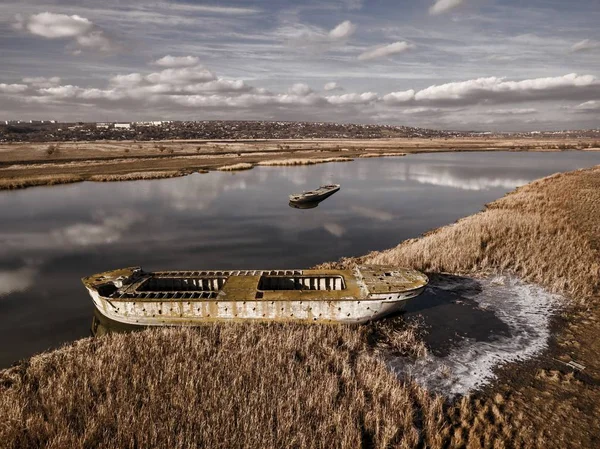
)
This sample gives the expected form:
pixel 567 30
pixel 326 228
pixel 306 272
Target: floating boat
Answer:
pixel 133 297
pixel 314 196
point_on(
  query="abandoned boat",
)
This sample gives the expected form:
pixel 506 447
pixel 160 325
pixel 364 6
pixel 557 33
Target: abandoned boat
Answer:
pixel 133 297
pixel 314 196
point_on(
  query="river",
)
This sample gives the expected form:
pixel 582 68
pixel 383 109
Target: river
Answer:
pixel 50 237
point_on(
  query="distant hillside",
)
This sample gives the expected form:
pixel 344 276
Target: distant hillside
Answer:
pixel 240 130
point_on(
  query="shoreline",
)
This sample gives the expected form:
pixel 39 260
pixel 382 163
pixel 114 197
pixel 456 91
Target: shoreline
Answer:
pixel 25 165
pixel 531 232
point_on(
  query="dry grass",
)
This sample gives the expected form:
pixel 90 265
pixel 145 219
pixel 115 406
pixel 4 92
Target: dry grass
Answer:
pixel 219 386
pixel 23 182
pixel 303 161
pixel 381 154
pixel 137 176
pixel 236 167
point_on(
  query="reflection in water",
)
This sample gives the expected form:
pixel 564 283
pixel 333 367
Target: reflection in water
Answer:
pixel 50 237
pixel 310 205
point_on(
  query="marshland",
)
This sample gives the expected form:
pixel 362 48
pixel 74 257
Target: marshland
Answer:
pixel 283 385
pixel 27 164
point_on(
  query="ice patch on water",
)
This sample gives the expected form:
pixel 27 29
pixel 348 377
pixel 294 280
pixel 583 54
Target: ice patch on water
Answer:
pixel 525 308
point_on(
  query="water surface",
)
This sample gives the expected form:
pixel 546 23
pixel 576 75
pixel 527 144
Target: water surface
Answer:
pixel 50 237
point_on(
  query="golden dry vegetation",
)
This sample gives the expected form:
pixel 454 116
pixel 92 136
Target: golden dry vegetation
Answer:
pixel 270 386
pixel 292 162
pixel 236 167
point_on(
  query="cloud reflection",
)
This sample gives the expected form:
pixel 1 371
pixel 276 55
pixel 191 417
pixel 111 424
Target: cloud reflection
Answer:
pixel 19 280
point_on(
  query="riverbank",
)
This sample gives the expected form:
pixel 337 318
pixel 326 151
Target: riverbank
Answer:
pixel 33 164
pixel 287 385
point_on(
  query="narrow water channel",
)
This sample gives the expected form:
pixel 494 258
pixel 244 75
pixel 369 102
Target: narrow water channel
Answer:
pixel 50 237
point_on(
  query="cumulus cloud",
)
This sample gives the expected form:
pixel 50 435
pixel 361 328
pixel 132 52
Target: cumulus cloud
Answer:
pixel 399 97
pixel 328 87
pixel 177 61
pixel 300 89
pixel 494 89
pixel 441 6
pixel 364 98
pixel 343 30
pixel 12 88
pixel 62 26
pixel 186 89
pixel 385 50
pixel 183 75
pixel 585 45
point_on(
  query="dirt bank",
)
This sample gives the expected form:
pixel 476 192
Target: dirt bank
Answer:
pixel 328 386
pixel 31 164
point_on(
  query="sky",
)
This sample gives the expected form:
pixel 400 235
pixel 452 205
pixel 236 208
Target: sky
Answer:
pixel 499 65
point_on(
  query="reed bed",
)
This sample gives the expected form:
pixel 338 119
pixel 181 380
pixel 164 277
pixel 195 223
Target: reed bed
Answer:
pixel 236 167
pixel 381 154
pixel 23 182
pixel 218 386
pixel 136 176
pixel 303 161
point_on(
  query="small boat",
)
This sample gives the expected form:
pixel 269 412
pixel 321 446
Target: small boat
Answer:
pixel 314 196
pixel 133 297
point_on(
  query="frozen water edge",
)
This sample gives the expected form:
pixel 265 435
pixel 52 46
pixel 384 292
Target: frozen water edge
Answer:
pixel 526 309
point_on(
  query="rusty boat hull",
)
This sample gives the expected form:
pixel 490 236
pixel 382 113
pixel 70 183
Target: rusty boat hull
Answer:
pixel 132 297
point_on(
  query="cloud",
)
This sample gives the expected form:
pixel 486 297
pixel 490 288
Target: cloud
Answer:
pixel 110 229
pixel 353 4
pixel 40 81
pixel 61 26
pixel 380 215
pixel 385 50
pixel 591 105
pixel 585 45
pixel 441 6
pixel 332 86
pixel 399 97
pixel 19 280
pixel 494 89
pixel 177 61
pixel 197 90
pixel 12 88
pixel 315 38
pixel 212 9
pixel 181 75
pixel 364 98
pixel 342 31
pixel 424 111
pixel 516 111
pixel 300 89
pixel 334 229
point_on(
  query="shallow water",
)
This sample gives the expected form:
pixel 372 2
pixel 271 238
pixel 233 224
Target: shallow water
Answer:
pixel 50 237
pixel 474 326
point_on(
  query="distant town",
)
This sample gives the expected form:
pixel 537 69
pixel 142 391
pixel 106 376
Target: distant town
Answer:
pixel 54 131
